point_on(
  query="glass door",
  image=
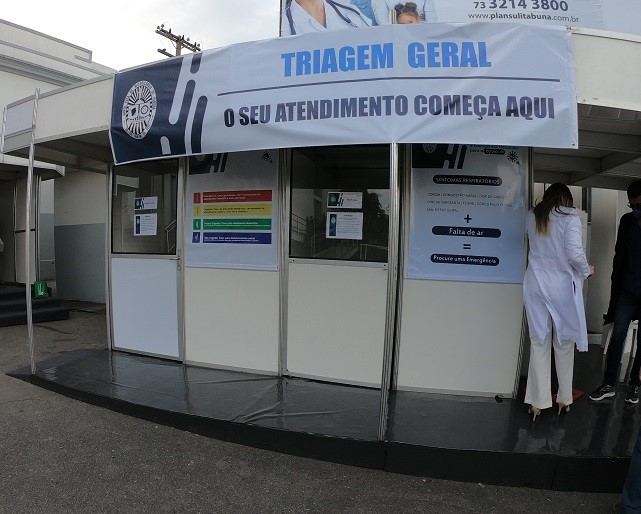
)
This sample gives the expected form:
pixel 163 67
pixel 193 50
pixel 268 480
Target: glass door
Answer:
pixel 145 264
pixel 337 271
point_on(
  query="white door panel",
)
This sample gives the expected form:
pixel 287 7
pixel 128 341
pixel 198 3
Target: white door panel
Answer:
pixel 145 305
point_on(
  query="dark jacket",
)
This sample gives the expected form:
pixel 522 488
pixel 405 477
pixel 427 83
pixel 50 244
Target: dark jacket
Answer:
pixel 619 264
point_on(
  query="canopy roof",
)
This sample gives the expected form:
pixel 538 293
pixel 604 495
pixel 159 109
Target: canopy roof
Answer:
pixel 73 122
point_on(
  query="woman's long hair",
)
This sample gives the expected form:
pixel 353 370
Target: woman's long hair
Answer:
pixel 555 196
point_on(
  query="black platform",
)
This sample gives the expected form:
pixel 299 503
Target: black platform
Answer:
pixel 13 306
pixel 484 440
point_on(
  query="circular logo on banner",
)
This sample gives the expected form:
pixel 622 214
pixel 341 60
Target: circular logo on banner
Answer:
pixel 139 109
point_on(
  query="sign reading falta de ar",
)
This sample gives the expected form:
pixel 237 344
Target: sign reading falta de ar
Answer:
pixel 470 83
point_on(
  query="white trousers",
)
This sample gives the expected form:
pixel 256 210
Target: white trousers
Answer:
pixel 538 391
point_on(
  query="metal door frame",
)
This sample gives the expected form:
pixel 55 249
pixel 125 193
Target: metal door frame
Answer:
pixel 178 257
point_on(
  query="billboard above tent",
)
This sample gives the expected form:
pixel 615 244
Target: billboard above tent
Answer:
pixel 475 83
pixel 301 17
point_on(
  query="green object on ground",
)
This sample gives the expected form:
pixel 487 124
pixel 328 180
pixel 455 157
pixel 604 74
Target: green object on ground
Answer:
pixel 40 290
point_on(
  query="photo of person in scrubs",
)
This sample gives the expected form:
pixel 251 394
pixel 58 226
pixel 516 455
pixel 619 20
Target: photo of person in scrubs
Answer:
pixel 385 10
pixel 365 6
pixel 304 16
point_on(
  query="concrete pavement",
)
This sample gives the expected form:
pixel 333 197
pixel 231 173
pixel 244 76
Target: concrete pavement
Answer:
pixel 61 455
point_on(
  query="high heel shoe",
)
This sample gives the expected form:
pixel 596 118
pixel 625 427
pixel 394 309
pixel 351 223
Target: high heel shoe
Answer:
pixel 535 411
pixel 563 407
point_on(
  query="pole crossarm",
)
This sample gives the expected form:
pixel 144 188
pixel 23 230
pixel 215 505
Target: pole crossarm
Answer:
pixel 179 42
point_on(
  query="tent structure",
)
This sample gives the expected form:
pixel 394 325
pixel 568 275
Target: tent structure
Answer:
pixel 359 321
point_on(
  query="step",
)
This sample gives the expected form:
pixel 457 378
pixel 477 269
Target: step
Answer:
pixel 54 311
pixel 18 304
pixel 8 291
pixel 13 309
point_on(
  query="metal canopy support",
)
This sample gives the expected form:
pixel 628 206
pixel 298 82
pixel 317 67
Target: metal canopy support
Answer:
pixel 27 243
pixel 392 291
pixel 4 125
pixel 108 228
pixel 525 335
pixel 284 186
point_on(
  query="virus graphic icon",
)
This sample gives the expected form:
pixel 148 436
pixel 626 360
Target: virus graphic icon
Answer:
pixel 266 156
pixel 512 157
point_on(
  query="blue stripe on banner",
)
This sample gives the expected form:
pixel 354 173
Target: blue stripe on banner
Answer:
pixel 237 238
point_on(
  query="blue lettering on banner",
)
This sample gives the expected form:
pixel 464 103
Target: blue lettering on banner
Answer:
pixel 332 60
pixel 479 106
pixel 253 238
pixel 448 54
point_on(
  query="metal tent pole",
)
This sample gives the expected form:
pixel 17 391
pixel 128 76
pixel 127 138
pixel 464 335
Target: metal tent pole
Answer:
pixel 4 125
pixel 27 243
pixel 392 291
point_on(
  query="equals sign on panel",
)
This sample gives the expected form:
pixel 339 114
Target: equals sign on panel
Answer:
pixel 467 246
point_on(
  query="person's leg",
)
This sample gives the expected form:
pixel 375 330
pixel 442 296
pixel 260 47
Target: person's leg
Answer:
pixel 564 359
pixel 632 488
pixel 636 365
pixel 537 391
pixel 625 311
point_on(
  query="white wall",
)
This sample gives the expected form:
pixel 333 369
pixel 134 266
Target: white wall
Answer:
pixel 622 16
pixel 607 70
pixel 79 231
pixel 80 199
pixel 30 60
pixel 14 87
pixel 21 228
pixel 603 235
pixel 336 322
pixel 232 318
pixel 460 337
pixel 47 252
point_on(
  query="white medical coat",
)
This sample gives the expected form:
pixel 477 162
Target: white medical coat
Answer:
pixel 304 23
pixel 553 283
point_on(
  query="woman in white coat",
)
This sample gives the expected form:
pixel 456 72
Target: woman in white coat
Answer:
pixel 553 296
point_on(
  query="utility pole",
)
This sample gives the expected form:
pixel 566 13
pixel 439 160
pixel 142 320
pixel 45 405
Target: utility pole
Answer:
pixel 179 42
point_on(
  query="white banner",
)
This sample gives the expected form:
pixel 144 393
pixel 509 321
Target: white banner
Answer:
pixel 467 212
pixel 232 211
pixel 478 83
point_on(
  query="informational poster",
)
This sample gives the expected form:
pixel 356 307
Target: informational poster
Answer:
pixel 344 225
pixel 232 211
pixel 143 203
pixel 345 200
pixel 467 213
pixel 145 224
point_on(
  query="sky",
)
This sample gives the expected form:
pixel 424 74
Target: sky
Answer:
pixel 121 33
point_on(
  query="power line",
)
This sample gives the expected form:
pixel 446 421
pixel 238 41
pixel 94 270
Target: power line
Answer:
pixel 179 42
